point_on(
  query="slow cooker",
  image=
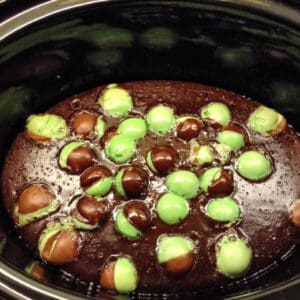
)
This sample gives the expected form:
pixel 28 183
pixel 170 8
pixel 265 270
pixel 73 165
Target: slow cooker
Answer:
pixel 54 49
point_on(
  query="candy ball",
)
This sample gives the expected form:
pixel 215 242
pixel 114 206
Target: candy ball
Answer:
pixel 120 149
pixel 232 136
pixel 172 209
pixel 44 127
pixel 183 183
pixel 175 254
pixel 116 101
pixel 108 135
pixel 120 275
pixel 76 157
pixel 59 244
pixel 233 256
pixel 96 181
pixel 37 270
pixel 90 212
pixel 266 121
pixel 133 128
pixel 223 210
pixel 161 159
pixel 160 119
pixel 216 114
pixel 36 201
pixel 133 219
pixel 216 181
pixel 253 165
pixel 201 155
pixel 223 153
pixel 87 125
pixel 188 128
pixel 295 213
pixel 131 181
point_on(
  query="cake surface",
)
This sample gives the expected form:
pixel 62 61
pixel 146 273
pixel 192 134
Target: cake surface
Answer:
pixel 157 186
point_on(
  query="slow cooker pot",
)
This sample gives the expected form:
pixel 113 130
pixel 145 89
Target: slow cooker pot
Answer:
pixel 58 48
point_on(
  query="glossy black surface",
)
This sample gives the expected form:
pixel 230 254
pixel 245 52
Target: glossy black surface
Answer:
pixel 211 42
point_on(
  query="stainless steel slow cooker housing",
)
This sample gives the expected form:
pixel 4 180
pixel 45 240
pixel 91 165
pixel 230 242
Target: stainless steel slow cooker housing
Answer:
pixel 58 48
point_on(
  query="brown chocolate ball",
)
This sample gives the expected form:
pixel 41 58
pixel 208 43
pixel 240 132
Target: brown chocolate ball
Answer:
pixel 161 159
pixel 188 129
pixel 138 214
pixel 83 124
pixel 38 271
pixel 80 159
pixel 107 276
pixel 222 185
pixel 108 135
pixel 131 182
pixel 179 265
pixel 295 213
pixel 92 211
pixel 34 197
pixel 61 248
pixel 96 181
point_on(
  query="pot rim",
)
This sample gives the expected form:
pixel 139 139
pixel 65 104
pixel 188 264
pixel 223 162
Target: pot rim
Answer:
pixel 52 7
pixel 20 286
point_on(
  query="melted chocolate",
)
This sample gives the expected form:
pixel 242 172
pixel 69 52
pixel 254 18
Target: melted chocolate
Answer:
pixel 265 219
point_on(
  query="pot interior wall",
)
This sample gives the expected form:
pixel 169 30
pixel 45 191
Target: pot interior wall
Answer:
pixel 247 52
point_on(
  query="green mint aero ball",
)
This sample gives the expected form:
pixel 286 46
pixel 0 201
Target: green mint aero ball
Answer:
pixel 233 256
pixel 201 155
pixel 96 181
pixel 232 136
pixel 172 209
pixel 216 181
pixel 183 183
pixel 223 153
pixel 116 101
pixel 76 157
pixel 253 165
pixel 35 202
pixel 66 151
pixel 120 149
pixel 133 128
pixel 87 125
pixel 175 254
pixel 100 127
pixel 208 177
pixel 133 219
pixel 59 243
pixel 131 182
pixel 223 210
pixel 266 121
pixel 123 226
pixel 43 127
pixel 160 119
pixel 216 113
pixel 120 275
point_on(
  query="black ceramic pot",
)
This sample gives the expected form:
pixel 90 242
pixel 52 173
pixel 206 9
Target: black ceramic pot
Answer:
pixel 62 47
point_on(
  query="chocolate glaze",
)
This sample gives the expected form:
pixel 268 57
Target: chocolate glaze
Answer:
pixel 265 220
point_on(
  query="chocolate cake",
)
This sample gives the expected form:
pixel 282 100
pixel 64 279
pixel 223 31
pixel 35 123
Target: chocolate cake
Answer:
pixel 155 186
